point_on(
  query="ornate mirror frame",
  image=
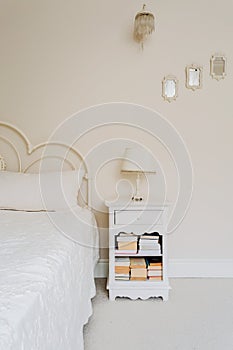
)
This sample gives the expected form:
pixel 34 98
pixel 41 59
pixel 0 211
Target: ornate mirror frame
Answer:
pixel 170 88
pixel 218 66
pixel 193 81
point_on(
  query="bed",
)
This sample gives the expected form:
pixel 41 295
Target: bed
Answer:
pixel 48 252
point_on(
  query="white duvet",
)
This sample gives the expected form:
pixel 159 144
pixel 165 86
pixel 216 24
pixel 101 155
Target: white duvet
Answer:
pixel 46 279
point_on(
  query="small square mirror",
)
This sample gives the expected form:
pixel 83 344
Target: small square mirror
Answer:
pixel 193 77
pixel 218 67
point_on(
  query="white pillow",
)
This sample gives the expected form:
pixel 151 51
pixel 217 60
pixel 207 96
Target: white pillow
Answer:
pixel 50 191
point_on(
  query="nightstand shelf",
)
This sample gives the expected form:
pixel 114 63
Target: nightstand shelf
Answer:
pixel 137 254
pixel 136 220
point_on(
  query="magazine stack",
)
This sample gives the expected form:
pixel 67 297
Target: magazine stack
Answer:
pixel 122 268
pixel 154 269
pixel 126 243
pixel 149 244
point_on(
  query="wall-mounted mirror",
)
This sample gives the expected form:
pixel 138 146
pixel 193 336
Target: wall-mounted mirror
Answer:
pixel 169 88
pixel 218 67
pixel 193 77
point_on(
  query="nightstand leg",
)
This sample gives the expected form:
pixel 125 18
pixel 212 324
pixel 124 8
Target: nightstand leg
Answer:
pixel 112 295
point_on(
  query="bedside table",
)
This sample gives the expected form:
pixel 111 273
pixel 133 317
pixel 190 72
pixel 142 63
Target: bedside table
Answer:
pixel 142 222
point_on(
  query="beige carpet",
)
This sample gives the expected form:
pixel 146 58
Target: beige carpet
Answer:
pixel 197 316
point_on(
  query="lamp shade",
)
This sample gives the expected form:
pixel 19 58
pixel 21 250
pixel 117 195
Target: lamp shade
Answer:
pixel 137 160
pixel 144 25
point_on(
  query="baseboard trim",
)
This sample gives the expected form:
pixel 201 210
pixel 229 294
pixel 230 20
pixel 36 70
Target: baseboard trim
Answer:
pixel 101 269
pixel 206 268
pixel 185 268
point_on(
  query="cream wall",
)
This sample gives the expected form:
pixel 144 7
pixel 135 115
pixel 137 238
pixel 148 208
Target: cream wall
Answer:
pixel 58 57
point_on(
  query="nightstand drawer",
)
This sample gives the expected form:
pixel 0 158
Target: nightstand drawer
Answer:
pixel 138 217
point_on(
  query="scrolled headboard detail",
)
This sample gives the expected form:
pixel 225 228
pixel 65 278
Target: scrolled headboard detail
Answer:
pixel 2 163
pixel 18 154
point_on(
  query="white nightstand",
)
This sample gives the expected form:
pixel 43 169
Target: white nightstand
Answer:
pixel 137 218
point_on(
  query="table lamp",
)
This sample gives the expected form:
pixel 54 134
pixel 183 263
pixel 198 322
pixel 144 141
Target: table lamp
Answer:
pixel 137 161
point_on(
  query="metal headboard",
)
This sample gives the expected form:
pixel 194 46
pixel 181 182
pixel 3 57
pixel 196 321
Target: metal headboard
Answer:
pixel 28 157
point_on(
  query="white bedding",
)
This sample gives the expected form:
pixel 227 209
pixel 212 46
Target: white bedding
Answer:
pixel 46 279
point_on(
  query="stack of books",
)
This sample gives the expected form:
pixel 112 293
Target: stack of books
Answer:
pixel 122 268
pixel 138 270
pixel 126 243
pixel 154 270
pixel 149 244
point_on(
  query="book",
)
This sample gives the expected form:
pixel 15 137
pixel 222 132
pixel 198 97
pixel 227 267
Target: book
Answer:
pixel 125 251
pixel 138 278
pixel 154 261
pixel 153 264
pixel 152 235
pixel 149 246
pixel 122 278
pixel 155 268
pixel 153 273
pixel 126 237
pixel 127 245
pixel 137 263
pixel 155 278
pixel 126 234
pixel 119 275
pixel 119 261
pixel 138 273
pixel 122 269
pixel 150 252
pixel 141 239
pixel 149 241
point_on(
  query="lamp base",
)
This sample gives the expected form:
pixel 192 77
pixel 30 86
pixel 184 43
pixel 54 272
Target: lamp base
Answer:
pixel 136 198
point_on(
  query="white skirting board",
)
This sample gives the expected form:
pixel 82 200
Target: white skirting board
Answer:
pixel 185 268
pixel 208 268
pixel 101 269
